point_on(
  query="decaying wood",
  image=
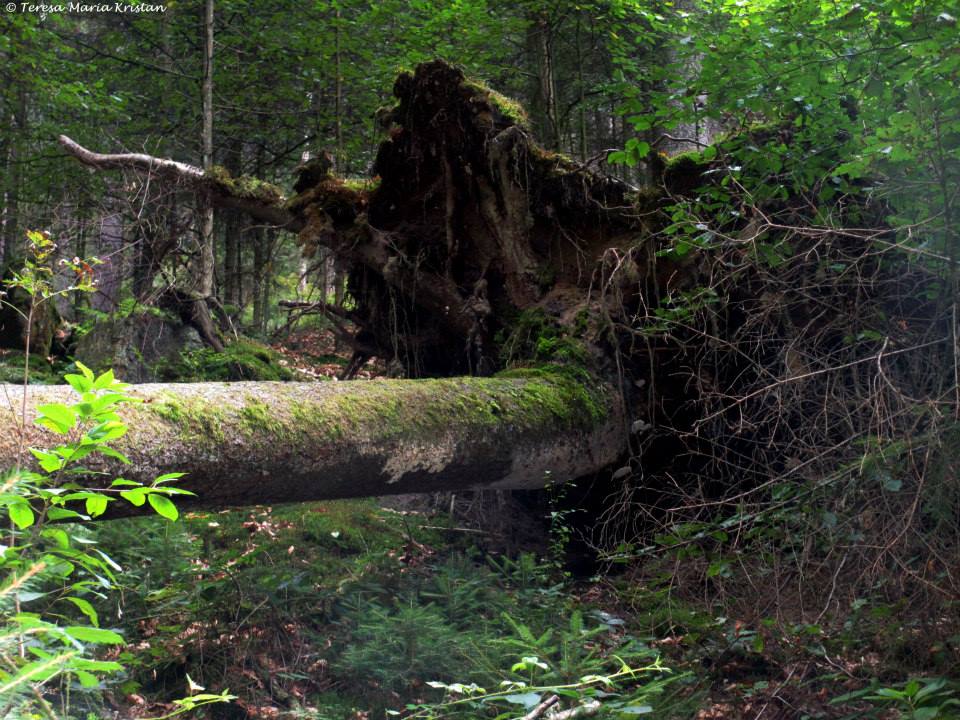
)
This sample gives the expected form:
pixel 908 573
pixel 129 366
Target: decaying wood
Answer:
pixel 541 709
pixel 262 443
pixel 470 228
pixel 194 177
pixel 469 225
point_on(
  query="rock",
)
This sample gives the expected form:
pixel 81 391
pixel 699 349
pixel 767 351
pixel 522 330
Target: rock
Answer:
pixel 137 346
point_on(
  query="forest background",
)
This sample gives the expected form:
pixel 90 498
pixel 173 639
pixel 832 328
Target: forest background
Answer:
pixel 783 531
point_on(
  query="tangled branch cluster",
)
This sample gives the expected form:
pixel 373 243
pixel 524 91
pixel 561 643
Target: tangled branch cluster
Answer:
pixel 801 398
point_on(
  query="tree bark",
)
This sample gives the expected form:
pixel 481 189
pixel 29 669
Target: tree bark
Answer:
pixel 259 443
pixel 110 273
pixel 12 236
pixel 205 276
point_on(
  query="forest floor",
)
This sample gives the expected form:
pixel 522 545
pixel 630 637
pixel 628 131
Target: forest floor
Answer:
pixel 345 609
pixel 348 609
pixel 313 353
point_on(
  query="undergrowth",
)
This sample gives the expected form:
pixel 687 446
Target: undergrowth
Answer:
pixel 325 610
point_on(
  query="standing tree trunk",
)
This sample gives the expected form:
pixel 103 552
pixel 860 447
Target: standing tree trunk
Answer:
pixel 205 276
pixel 231 232
pixel 266 282
pixel 339 163
pixel 259 261
pixel 581 100
pixel 110 252
pixel 540 49
pixel 11 217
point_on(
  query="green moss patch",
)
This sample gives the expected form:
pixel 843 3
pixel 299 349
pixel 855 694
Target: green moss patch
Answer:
pixel 508 107
pixel 241 360
pixel 537 338
pixel 195 418
pixel 42 372
pixel 244 186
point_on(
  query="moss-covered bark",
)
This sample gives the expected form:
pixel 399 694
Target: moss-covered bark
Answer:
pixel 251 443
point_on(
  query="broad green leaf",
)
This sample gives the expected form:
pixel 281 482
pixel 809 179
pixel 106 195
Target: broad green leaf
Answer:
pixel 111 453
pixel 58 513
pixel 86 679
pixel 87 372
pixel 48 461
pixel 135 497
pixel 104 381
pixel 79 383
pixel 57 417
pixel 86 608
pixel 168 477
pixel 96 665
pixel 96 505
pixel 21 514
pixel 528 699
pixel 106 431
pixel 59 536
pixel 99 636
pixel 163 506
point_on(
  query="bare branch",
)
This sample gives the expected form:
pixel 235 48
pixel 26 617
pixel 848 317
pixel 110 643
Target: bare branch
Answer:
pixel 269 212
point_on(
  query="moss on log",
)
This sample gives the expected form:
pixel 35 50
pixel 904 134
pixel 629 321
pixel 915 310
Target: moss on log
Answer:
pixel 258 443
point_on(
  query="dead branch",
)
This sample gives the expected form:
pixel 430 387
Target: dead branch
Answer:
pixel 195 177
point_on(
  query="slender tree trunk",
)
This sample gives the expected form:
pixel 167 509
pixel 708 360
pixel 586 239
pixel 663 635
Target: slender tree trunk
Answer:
pixel 266 284
pixel 581 110
pixel 543 91
pixel 12 231
pixel 259 261
pixel 231 231
pixel 231 272
pixel 338 160
pixel 259 258
pixel 7 197
pixel 205 278
pixel 110 253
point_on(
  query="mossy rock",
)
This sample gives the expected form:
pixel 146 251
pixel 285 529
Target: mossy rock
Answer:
pixel 135 345
pixel 241 360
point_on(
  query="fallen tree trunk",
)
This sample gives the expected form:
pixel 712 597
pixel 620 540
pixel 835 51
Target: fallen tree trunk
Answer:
pixel 264 443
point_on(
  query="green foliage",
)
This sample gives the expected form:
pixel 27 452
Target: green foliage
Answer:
pixel 404 645
pixel 240 360
pixel 823 101
pixel 41 373
pixel 919 699
pixel 52 570
pixel 534 337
